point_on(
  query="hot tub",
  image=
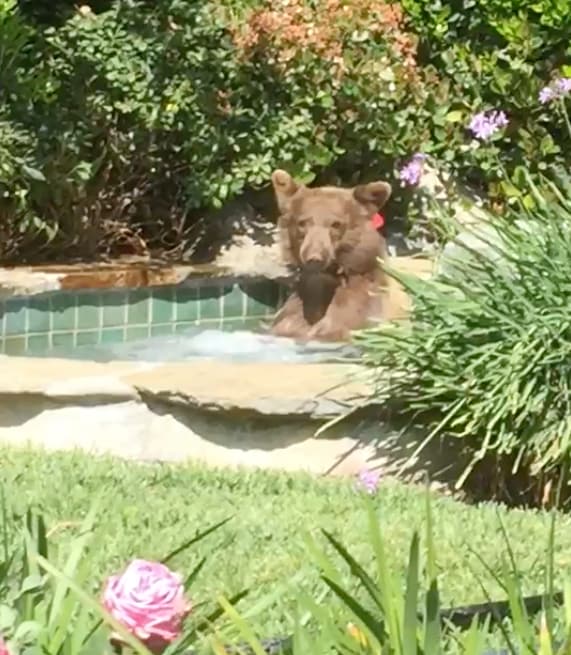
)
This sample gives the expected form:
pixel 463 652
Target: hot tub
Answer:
pixel 206 315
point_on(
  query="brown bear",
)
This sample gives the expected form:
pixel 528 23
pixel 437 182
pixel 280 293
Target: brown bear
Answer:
pixel 326 234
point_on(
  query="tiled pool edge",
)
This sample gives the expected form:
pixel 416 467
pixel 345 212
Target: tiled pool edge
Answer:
pixel 78 317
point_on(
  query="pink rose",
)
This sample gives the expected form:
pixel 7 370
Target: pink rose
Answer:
pixel 148 599
pixel 3 647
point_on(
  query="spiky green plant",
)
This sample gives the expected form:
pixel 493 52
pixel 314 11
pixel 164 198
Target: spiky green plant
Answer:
pixel 486 354
pixel 395 616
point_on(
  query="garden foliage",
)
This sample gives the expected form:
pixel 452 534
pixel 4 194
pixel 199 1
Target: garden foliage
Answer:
pixel 46 607
pixel 485 357
pixel 122 122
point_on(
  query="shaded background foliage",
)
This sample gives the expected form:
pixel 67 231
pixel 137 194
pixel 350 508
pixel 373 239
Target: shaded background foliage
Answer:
pixel 123 123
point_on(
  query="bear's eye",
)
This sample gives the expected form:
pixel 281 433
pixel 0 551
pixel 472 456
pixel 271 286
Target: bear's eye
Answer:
pixel 336 225
pixel 302 223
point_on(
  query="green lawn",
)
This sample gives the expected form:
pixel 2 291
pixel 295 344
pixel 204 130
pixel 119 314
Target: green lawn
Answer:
pixel 148 510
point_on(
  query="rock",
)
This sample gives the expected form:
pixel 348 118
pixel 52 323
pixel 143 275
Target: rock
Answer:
pixel 308 391
pixel 62 377
pixel 101 387
pixel 26 282
pixel 482 237
pixel 463 207
pixel 246 257
pixel 241 237
pixel 222 414
pixel 136 431
pixel 459 202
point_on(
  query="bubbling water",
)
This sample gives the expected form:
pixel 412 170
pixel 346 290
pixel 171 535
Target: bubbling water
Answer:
pixel 197 343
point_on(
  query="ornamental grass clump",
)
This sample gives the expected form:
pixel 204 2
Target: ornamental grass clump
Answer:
pixel 486 354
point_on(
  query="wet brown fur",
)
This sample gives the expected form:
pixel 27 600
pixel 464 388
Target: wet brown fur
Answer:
pixel 326 235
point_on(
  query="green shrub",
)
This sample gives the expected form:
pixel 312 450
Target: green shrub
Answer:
pixel 496 54
pixel 485 356
pixel 148 114
pixel 138 118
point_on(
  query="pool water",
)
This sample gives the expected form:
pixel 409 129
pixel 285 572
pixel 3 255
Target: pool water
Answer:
pixel 198 343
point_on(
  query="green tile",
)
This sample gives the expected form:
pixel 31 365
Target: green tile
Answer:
pixel 136 333
pixel 63 308
pixel 210 304
pixel 63 340
pixel 234 303
pixel 15 319
pixel 162 306
pixel 232 324
pixel 15 345
pixel 186 304
pixel 112 335
pixel 183 327
pixel 38 343
pixel 114 308
pixel 88 311
pixel 157 330
pixel 39 314
pixel 255 324
pixel 88 338
pixel 138 310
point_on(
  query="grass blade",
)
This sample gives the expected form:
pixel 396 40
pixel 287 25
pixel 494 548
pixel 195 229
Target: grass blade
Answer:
pixel 194 540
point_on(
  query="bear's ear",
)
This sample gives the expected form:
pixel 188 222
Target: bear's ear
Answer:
pixel 374 193
pixel 285 188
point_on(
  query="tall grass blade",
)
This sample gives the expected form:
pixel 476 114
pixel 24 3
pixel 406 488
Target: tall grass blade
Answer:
pixel 193 540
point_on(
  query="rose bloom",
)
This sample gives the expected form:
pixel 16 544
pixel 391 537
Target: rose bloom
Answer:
pixel 148 599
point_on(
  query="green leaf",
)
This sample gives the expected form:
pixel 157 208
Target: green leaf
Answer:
pixel 245 630
pixel 33 173
pixel 364 616
pixel 194 540
pixel 409 629
pixel 27 632
pixel 31 583
pixel 8 618
pixel 454 116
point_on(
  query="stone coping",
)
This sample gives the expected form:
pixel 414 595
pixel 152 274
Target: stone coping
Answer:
pixel 31 280
pixel 305 391
pixel 239 415
pixel 134 273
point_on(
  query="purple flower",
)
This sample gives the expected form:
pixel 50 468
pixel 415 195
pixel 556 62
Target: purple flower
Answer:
pixel 559 88
pixel 547 94
pixel 485 124
pixel 368 480
pixel 411 173
pixel 563 85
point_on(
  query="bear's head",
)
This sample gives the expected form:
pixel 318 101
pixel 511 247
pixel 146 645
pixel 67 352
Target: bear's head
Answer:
pixel 329 227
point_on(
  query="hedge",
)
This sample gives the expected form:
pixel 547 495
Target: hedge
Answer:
pixel 123 123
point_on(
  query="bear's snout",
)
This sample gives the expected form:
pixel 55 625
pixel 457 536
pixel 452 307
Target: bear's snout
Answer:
pixel 317 248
